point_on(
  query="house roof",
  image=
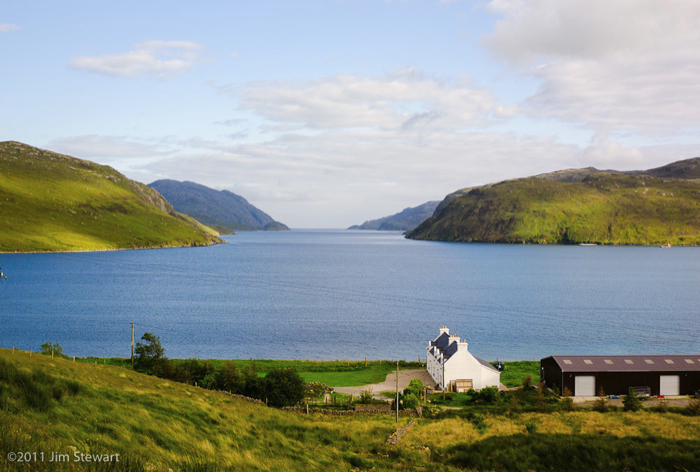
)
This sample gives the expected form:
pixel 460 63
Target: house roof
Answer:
pixel 486 364
pixel 652 363
pixel 442 345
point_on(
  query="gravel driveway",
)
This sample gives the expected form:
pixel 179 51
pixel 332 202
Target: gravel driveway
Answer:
pixel 405 376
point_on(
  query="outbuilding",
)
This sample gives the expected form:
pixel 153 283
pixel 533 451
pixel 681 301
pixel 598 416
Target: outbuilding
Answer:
pixel 453 367
pixel 585 376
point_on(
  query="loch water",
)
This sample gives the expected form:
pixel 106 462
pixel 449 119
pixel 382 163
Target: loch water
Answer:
pixel 335 294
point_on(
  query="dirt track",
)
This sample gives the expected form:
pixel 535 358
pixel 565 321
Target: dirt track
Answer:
pixel 405 376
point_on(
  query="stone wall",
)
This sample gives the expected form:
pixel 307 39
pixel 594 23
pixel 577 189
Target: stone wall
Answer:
pixel 320 411
pixel 374 408
pixel 244 398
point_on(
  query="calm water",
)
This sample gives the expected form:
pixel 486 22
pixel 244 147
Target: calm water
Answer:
pixel 351 294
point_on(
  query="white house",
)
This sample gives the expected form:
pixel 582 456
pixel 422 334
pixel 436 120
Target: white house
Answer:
pixel 451 365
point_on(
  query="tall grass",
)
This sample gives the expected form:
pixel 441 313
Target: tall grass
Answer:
pixel 157 425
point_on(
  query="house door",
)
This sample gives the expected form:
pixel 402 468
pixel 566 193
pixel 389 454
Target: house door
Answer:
pixel 670 385
pixel 584 386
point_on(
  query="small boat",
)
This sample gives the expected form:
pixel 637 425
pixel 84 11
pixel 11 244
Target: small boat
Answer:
pixel 587 244
pixel 666 246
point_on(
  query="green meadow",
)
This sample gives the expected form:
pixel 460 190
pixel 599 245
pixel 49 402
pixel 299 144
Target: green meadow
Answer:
pixel 52 202
pixel 57 405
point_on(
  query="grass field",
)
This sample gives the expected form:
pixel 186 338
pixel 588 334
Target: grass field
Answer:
pixel 332 373
pixel 55 405
pixel 516 371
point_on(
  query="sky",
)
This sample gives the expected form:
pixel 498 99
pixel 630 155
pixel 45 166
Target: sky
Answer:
pixel 328 113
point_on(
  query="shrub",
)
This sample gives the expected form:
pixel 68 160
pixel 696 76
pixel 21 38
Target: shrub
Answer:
pixel 284 387
pixel 567 403
pixel 150 356
pixel 209 381
pixel 228 378
pixel 601 403
pixel 48 348
pixel 366 397
pixel 415 387
pixel 632 402
pixel 488 394
pixel 479 422
pixel 526 381
pixel 540 402
pixel 693 407
pixel 410 401
pixel 514 404
pixel 531 426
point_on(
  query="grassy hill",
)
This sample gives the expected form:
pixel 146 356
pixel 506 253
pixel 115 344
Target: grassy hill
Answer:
pixel 55 405
pixel 576 206
pixel 52 202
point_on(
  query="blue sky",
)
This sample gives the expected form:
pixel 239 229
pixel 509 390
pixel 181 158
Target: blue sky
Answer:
pixel 329 113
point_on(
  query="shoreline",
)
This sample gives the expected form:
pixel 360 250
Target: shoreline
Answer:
pixel 223 241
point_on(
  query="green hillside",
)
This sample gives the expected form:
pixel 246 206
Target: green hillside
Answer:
pixel 576 206
pixel 52 202
pixel 58 406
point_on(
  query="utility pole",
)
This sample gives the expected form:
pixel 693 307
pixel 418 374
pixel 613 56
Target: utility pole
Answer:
pixel 397 391
pixel 132 344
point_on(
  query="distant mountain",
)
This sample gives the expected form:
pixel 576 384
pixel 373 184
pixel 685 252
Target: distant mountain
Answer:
pixel 572 206
pixel 219 209
pixel 53 202
pixel 403 221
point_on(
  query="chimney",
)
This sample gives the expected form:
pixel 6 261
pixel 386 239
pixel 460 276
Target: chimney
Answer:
pixel 454 339
pixel 462 344
pixel 445 330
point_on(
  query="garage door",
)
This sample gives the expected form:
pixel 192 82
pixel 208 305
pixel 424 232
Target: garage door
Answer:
pixel 584 386
pixel 670 385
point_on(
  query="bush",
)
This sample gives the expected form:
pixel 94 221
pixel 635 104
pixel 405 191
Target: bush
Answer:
pixel 531 426
pixel 488 395
pixel 410 401
pixel 479 422
pixel 150 356
pixel 567 403
pixel 415 387
pixel 366 397
pixel 48 348
pixel 601 403
pixel 540 402
pixel 693 407
pixel 284 387
pixel 632 402
pixel 229 379
pixel 209 382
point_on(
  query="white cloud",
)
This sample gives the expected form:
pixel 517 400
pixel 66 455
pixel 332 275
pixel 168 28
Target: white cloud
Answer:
pixel 7 27
pixel 342 177
pixel 609 65
pixel 402 100
pixel 154 58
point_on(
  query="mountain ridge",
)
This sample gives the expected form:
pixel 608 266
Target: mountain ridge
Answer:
pixel 405 220
pixel 217 208
pixel 574 206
